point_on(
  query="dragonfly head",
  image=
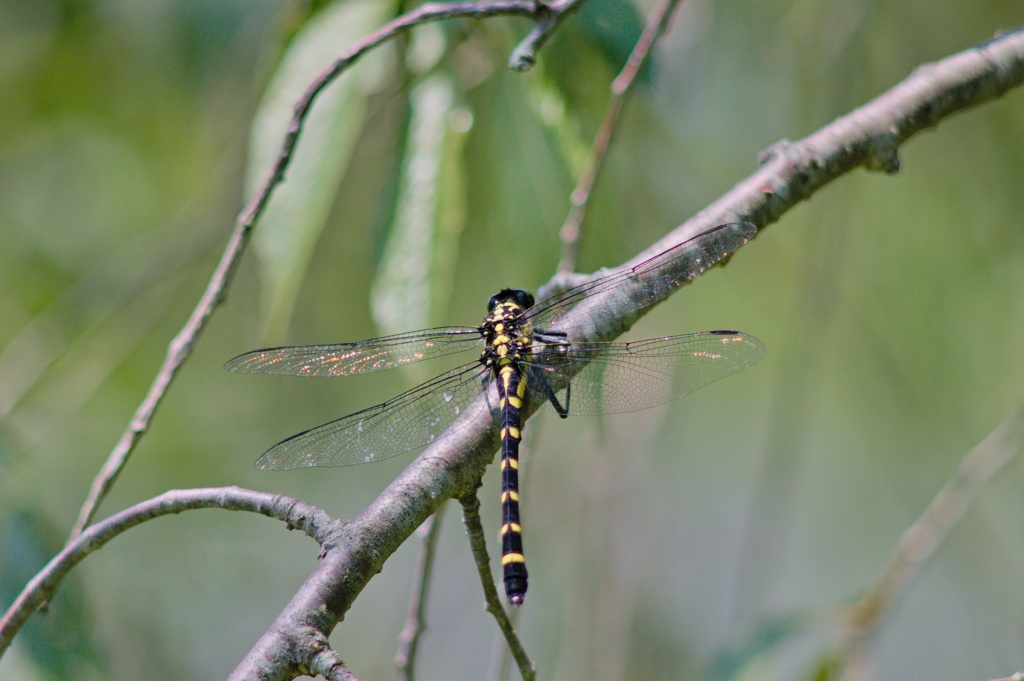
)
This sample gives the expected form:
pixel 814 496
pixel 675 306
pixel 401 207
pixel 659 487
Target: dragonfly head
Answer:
pixel 523 299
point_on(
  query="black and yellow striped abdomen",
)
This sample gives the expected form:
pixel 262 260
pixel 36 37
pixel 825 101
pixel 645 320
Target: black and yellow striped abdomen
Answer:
pixel 508 347
pixel 511 389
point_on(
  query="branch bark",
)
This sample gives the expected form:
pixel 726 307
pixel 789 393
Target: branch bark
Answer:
pixel 869 136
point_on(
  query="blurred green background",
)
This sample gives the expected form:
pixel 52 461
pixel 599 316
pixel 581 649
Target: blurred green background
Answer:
pixel 711 539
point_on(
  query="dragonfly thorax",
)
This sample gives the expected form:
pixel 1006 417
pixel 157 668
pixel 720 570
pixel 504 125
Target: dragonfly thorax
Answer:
pixel 507 336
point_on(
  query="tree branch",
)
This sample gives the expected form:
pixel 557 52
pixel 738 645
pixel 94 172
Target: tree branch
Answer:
pixel 870 136
pixel 579 199
pixel 295 513
pixel 478 546
pixel 327 664
pixel 921 539
pixel 548 17
pixel 415 623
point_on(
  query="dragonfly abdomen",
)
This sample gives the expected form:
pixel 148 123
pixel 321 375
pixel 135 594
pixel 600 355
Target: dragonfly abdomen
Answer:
pixel 511 389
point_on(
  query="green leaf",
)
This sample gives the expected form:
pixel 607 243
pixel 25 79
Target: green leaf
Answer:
pixel 614 26
pixel 756 655
pixel 295 217
pixel 429 216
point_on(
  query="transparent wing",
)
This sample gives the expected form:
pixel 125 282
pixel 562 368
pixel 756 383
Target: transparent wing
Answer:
pixel 344 359
pixel 611 378
pixel 661 274
pixel 409 421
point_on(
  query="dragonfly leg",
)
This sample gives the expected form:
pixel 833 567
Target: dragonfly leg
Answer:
pixel 485 383
pixel 551 337
pixel 549 394
pixel 556 341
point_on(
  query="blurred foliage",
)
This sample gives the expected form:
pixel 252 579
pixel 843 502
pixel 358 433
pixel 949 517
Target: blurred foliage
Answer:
pixel 712 539
pixel 59 643
pixel 291 225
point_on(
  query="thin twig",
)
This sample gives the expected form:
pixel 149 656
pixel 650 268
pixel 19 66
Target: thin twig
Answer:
pixel 181 346
pixel 328 664
pixel 579 199
pixel 548 18
pixel 919 542
pixel 478 545
pixel 295 513
pixel 415 623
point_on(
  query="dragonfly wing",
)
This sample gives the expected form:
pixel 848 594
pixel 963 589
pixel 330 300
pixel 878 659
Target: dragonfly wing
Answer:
pixel 344 359
pixel 409 421
pixel 611 378
pixel 659 275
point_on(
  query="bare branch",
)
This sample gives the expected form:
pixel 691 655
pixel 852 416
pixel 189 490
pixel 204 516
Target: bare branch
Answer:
pixel 791 172
pixel 478 545
pixel 415 624
pixel 579 199
pixel 326 663
pixel 921 539
pixel 548 17
pixel 295 513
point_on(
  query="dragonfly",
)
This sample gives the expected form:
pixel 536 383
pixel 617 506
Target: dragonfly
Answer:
pixel 533 353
